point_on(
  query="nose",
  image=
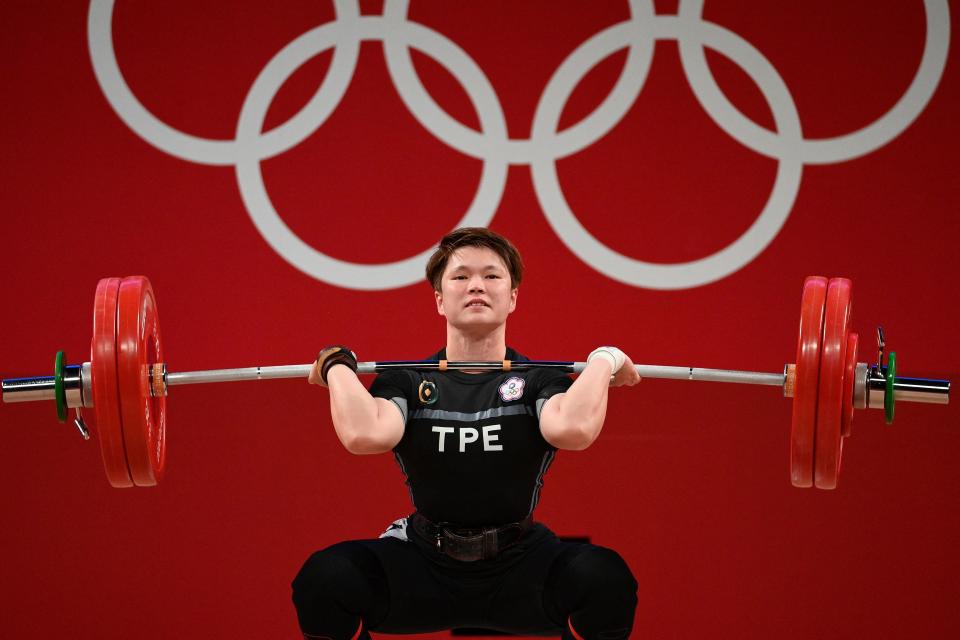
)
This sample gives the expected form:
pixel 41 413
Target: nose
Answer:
pixel 476 284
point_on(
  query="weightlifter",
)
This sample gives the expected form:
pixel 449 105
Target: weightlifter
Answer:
pixel 474 448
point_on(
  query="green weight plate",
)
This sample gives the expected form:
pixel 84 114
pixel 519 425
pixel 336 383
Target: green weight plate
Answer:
pixel 58 390
pixel 888 392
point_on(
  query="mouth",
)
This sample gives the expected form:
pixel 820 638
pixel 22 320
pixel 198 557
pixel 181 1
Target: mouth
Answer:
pixel 476 303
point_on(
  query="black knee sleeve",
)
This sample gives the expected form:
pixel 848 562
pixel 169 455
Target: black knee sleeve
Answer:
pixel 593 590
pixel 337 588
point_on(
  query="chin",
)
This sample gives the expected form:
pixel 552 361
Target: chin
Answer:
pixel 470 325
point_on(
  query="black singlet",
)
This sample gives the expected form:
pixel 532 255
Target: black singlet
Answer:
pixel 475 456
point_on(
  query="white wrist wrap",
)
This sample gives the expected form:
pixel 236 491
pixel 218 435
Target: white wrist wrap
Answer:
pixel 611 354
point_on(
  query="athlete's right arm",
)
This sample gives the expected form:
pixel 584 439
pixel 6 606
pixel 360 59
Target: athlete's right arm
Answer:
pixel 363 423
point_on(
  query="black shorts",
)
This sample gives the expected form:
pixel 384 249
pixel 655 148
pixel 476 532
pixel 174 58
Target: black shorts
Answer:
pixel 428 591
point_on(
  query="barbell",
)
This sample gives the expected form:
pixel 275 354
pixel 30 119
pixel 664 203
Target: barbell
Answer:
pixel 126 381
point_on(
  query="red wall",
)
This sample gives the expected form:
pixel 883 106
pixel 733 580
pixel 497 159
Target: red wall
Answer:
pixel 689 481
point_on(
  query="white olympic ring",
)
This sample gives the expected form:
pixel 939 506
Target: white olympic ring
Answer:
pixel 546 144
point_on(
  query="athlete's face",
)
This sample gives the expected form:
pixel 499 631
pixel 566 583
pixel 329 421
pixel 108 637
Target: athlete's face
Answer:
pixel 476 292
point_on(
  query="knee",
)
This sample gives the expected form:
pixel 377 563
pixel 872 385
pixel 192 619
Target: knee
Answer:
pixel 602 571
pixel 315 573
pixel 322 574
pixel 346 572
pixel 592 590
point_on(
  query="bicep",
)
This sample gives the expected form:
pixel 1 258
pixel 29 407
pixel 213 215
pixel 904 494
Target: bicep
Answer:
pixel 390 425
pixel 553 427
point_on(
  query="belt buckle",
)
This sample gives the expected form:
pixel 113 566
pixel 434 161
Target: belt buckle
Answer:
pixel 490 543
pixel 470 544
pixel 439 529
pixel 465 545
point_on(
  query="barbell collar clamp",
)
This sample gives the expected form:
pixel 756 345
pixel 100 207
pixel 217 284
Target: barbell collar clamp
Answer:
pixel 861 396
pixel 881 345
pixel 81 425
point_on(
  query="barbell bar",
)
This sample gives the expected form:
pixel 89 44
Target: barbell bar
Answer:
pixel 77 378
pixel 126 381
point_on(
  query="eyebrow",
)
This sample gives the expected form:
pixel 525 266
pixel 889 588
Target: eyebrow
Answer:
pixel 463 267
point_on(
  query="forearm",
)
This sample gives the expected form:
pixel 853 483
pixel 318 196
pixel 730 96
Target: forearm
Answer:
pixel 583 407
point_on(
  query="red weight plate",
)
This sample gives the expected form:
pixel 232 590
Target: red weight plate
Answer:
pixel 103 370
pixel 849 375
pixel 138 347
pixel 833 364
pixel 804 421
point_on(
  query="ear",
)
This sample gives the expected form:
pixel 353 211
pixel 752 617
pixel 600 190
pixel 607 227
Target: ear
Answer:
pixel 513 299
pixel 439 298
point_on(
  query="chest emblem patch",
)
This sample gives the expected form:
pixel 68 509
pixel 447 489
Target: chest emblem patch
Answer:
pixel 511 389
pixel 427 392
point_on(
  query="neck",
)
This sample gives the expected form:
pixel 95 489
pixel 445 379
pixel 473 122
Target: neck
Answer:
pixel 481 346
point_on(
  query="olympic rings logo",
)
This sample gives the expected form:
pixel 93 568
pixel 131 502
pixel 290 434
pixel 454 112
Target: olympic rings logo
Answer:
pixel 546 144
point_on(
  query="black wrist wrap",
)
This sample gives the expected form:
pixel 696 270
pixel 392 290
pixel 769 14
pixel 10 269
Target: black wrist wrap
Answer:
pixel 334 355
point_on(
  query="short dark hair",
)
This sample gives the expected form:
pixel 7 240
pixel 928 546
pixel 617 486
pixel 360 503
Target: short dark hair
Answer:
pixel 474 237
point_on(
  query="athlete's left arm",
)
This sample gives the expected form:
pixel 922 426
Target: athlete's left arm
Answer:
pixel 573 420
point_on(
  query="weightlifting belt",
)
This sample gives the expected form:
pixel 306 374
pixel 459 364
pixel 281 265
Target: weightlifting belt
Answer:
pixel 470 544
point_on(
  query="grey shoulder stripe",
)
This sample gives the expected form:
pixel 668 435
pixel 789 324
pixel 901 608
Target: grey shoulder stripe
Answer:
pixel 402 405
pixel 458 416
pixel 540 403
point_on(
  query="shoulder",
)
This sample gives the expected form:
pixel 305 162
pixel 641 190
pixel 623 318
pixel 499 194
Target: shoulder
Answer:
pixel 401 382
pixel 392 383
pixel 541 382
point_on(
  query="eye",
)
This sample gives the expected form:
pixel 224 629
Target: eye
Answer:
pixel 460 277
pixel 493 276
